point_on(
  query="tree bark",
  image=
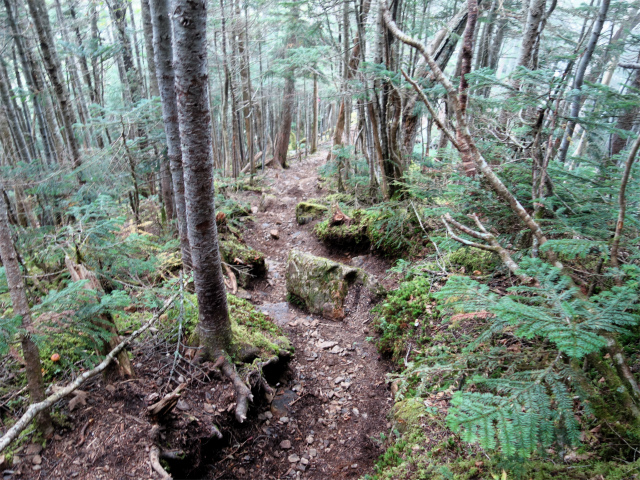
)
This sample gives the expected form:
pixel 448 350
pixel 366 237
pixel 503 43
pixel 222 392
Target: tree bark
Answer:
pixel 579 79
pixel 191 85
pixel 147 31
pixel 163 57
pixel 314 121
pixel 38 10
pixel 20 304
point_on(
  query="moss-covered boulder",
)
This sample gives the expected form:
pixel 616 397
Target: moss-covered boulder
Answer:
pixel 308 211
pixel 352 234
pixel 322 284
pixel 249 262
pixel 473 259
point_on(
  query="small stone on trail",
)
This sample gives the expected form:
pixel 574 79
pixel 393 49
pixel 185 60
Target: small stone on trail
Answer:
pixel 293 458
pixel 33 449
pixel 354 465
pixel 313 452
pixel 285 444
pixel 269 415
pixel 254 210
pixel 182 405
pixel 274 234
pixel 304 461
pixel 338 380
pixel 209 408
pixel 309 439
pixel 284 419
pixel 242 293
pixel 36 460
pixel 336 349
pixel 327 344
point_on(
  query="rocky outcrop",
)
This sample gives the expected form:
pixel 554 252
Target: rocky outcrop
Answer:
pixel 322 284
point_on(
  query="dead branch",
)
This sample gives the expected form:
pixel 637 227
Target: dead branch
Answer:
pixel 484 235
pixel 233 283
pixel 339 217
pixel 36 408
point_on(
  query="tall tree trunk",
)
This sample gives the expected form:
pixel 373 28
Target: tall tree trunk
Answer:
pixel 38 10
pixel 11 115
pixel 118 9
pixel 191 84
pixel 579 79
pixel 148 44
pixel 163 57
pixel 284 133
pixel 314 121
pixel 20 304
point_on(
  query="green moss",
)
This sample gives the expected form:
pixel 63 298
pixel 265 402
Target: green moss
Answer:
pixel 250 262
pixel 473 259
pixel 351 235
pixel 397 315
pixel 308 211
pixel 252 328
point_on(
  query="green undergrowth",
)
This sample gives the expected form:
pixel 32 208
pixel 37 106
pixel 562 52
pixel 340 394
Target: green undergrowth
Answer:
pixel 404 317
pixel 479 388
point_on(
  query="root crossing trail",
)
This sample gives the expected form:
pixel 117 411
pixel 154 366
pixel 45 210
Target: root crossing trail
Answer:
pixel 328 412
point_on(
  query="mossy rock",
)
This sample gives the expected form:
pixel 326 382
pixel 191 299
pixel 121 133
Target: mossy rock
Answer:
pixel 254 335
pixel 322 284
pixel 250 261
pixel 474 259
pixel 308 211
pixel 353 234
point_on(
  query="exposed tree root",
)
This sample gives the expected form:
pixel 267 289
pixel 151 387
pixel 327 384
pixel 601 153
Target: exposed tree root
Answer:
pixel 154 458
pixel 243 392
pixel 167 404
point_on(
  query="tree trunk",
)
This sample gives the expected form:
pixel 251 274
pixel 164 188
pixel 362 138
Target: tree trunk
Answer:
pixel 163 57
pixel 284 134
pixel 579 79
pixel 154 90
pixel 20 304
pixel 191 85
pixel 314 121
pixel 38 10
pixel 626 120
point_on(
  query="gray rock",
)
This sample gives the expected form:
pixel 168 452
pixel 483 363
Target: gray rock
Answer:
pixel 326 344
pixel 183 405
pixel 322 284
pixel 293 458
pixel 285 444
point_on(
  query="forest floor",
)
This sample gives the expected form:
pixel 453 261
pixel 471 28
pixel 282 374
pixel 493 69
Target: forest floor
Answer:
pixel 331 401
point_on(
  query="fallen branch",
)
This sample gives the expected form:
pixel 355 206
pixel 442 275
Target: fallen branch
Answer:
pixel 36 408
pixel 483 234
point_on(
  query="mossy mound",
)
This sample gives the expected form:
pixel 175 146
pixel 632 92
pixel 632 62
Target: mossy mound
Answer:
pixel 389 229
pixel 404 316
pixel 473 259
pixel 309 211
pixel 254 335
pixel 249 261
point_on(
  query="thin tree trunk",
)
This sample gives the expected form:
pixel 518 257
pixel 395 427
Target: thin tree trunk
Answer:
pixel 579 79
pixel 20 304
pixel 191 85
pixel 147 31
pixel 163 57
pixel 314 124
pixel 37 8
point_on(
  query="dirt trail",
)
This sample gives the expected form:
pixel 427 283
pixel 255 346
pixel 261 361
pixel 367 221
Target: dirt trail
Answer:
pixel 330 405
pixel 335 402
